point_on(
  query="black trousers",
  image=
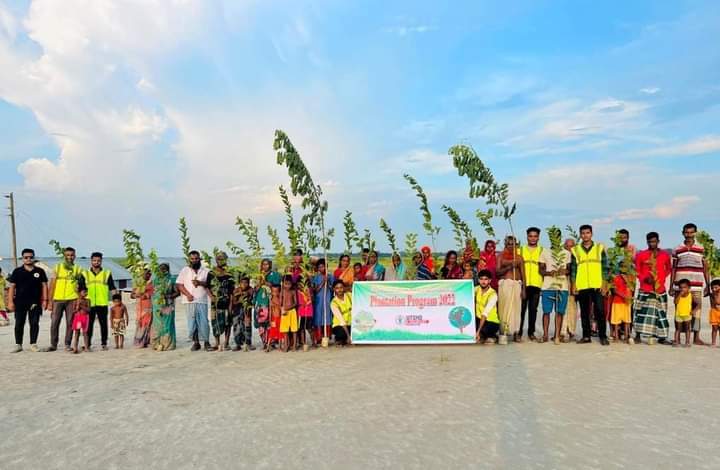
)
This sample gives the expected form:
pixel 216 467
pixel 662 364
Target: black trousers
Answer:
pixel 489 330
pixel 340 336
pixel 530 304
pixel 102 316
pixel 31 313
pixel 592 300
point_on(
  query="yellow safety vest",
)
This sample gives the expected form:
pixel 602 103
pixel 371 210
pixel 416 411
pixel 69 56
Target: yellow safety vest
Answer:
pixel 481 300
pixel 66 282
pixel 345 307
pixel 589 267
pixel 532 266
pixel 97 285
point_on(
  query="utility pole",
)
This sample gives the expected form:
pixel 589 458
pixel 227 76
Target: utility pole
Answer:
pixel 12 227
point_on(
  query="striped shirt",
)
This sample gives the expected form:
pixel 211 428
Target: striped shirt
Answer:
pixel 688 263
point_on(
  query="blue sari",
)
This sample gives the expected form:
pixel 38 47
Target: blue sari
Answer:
pixel 322 316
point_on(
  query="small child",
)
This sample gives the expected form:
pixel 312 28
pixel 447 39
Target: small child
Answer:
pixel 357 272
pixel 305 313
pixel 242 315
pixel 468 271
pixel 119 320
pixel 685 305
pixel 289 316
pixel 3 310
pixel 487 320
pixel 81 320
pixel 273 335
pixel 621 301
pixel 715 310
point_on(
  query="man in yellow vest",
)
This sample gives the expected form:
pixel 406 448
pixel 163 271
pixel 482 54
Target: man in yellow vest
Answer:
pixel 533 281
pixel 63 292
pixel 100 286
pixel 588 271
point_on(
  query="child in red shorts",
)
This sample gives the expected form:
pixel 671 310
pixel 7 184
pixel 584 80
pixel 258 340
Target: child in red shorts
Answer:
pixel 81 320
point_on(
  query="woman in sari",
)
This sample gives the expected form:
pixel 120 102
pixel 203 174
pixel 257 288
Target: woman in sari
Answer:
pixel 375 270
pixel 344 272
pixel 396 270
pixel 144 314
pixel 427 258
pixel 488 260
pixel 451 268
pixel 322 297
pixel 163 308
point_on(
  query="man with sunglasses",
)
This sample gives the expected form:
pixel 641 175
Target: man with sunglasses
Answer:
pixel 27 297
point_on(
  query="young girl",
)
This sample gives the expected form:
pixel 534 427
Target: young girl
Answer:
pixel 685 305
pixel 621 300
pixel 289 317
pixel 81 320
pixel 715 310
pixel 3 312
pixel 273 335
pixel 242 315
pixel 305 313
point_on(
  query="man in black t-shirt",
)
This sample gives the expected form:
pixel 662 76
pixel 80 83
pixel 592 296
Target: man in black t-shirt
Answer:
pixel 27 297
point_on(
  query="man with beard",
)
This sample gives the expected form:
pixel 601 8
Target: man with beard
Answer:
pixel 101 287
pixel 27 297
pixel 511 273
pixel 650 310
pixel 220 287
pixel 63 293
pixel 192 284
pixel 689 263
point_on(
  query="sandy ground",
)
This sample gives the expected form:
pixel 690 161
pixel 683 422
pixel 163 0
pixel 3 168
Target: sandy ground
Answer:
pixel 528 405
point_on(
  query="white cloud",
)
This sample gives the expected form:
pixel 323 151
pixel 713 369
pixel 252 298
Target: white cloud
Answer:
pixel 418 160
pixel 405 30
pixel 702 145
pixel 650 90
pixel 673 208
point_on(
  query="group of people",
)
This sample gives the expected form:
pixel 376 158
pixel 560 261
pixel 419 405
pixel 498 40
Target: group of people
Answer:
pixel 630 291
pixel 306 304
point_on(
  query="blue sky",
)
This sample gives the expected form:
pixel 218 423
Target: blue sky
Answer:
pixel 131 114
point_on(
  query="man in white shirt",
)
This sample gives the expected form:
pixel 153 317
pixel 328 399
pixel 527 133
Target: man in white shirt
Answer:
pixel 192 284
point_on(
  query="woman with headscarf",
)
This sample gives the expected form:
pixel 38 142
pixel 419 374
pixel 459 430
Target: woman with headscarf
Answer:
pixel 451 268
pixel 427 258
pixel 163 308
pixel 344 271
pixel 396 270
pixel 375 270
pixel 488 260
pixel 144 313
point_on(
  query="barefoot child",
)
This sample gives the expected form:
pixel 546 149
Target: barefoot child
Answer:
pixel 119 320
pixel 685 305
pixel 487 320
pixel 715 309
pixel 621 301
pixel 289 316
pixel 242 315
pixel 305 313
pixel 273 336
pixel 81 320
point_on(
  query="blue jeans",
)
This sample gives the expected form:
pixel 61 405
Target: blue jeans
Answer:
pixel 554 300
pixel 197 319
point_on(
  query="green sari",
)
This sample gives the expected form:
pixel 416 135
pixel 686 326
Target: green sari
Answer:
pixel 163 308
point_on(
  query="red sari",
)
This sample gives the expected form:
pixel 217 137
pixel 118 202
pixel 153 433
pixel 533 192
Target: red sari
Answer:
pixel 488 260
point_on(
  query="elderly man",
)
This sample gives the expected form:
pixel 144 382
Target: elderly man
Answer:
pixel 571 313
pixel 511 273
pixel 192 284
pixel 221 286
